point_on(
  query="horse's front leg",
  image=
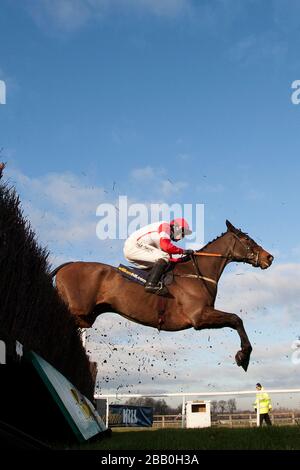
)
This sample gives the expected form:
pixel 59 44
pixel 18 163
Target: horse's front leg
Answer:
pixel 211 318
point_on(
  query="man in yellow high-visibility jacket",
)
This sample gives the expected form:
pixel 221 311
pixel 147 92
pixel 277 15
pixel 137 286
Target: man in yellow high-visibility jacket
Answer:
pixel 264 403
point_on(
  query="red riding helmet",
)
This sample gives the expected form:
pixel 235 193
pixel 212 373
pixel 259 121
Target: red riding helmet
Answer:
pixel 181 224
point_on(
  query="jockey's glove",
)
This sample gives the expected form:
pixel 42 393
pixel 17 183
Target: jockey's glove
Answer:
pixel 188 252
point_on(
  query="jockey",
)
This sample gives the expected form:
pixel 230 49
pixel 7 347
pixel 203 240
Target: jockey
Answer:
pixel 151 246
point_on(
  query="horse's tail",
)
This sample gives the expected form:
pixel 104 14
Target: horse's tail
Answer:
pixel 55 271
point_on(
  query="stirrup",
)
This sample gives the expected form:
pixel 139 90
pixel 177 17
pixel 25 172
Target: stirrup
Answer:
pixel 152 288
pixel 162 290
pixel 158 289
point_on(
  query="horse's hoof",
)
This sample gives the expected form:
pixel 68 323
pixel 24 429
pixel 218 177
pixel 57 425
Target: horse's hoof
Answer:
pixel 245 364
pixel 242 360
pixel 238 358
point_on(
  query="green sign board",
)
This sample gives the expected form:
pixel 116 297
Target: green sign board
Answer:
pixel 76 408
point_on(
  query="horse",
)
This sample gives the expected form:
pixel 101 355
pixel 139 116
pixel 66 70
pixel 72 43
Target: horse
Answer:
pixel 91 288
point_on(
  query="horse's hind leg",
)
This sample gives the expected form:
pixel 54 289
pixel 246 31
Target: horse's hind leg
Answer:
pixel 211 318
pixel 86 320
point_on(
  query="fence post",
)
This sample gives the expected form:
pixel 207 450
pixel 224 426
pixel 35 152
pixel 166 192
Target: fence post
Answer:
pixel 183 412
pixel 107 412
pixel 293 418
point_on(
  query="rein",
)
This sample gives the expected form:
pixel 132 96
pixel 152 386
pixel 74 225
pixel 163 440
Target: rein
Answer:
pixel 202 253
pixel 244 259
pixel 198 275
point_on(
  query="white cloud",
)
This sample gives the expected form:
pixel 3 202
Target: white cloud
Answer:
pixel 260 47
pixel 141 174
pixel 253 289
pixel 62 211
pixel 161 185
pixel 162 7
pixel 255 195
pixel 211 188
pixel 61 189
pixel 184 157
pixel 242 48
pixel 71 15
pixel 296 250
pixel 169 188
pixel 67 15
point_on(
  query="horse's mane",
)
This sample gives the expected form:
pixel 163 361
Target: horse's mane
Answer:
pixel 232 229
pixel 187 258
pixel 211 241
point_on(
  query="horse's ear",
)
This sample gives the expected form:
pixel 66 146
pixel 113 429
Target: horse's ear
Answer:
pixel 230 227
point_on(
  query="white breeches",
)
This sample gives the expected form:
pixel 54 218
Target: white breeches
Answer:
pixel 142 255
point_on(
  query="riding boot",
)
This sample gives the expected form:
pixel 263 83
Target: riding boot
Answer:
pixel 153 283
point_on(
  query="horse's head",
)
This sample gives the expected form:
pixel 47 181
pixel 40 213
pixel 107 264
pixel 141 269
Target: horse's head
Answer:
pixel 247 250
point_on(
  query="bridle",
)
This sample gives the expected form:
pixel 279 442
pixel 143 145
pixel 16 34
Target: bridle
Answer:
pixel 230 257
pixel 248 256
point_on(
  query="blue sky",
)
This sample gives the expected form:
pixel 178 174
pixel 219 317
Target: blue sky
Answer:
pixel 122 97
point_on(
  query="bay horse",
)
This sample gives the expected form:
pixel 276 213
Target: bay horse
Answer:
pixel 90 288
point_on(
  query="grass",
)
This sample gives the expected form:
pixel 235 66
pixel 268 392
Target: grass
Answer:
pixel 280 438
